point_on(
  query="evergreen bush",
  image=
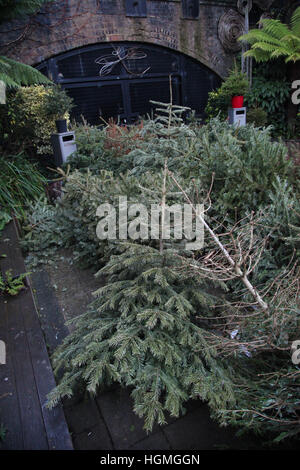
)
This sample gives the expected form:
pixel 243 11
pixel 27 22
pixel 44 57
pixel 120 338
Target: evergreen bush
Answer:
pixel 257 116
pixel 26 119
pixel 236 84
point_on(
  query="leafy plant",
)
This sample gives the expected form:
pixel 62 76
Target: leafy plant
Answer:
pixel 275 39
pixel 257 116
pixel 271 95
pixel 218 101
pixel 26 117
pixel 58 103
pixel 236 84
pixel 240 158
pixel 12 285
pixel 20 183
pixel 4 219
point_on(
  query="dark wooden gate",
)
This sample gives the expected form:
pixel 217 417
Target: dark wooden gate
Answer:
pixel 118 80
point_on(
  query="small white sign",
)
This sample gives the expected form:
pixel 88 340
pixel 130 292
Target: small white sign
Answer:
pixel 2 353
pixel 296 94
pixel 2 92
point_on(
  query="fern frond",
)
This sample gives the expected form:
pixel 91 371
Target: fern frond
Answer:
pixel 15 74
pixel 295 22
pixel 275 28
pixel 258 55
pixel 276 39
pixel 257 35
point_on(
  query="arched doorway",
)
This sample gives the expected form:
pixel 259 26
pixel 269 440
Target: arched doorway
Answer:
pixel 119 79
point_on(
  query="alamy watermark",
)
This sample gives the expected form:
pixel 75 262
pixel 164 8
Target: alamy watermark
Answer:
pixel 295 350
pixel 136 221
pixel 2 353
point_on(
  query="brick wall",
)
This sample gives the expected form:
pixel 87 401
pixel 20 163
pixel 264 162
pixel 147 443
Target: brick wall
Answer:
pixel 67 24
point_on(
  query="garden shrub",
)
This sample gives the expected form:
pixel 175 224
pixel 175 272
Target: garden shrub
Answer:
pixel 270 92
pixel 28 121
pixel 20 184
pixel 257 116
pixel 220 100
pixel 271 95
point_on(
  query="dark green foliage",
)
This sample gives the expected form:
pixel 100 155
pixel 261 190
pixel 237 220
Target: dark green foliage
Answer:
pixel 15 74
pixel 271 95
pixel 2 432
pixel 91 152
pixel 58 103
pixel 11 9
pixel 28 119
pixel 257 116
pixel 11 285
pixel 236 84
pixel 4 219
pixel 280 221
pixel 245 163
pixel 72 222
pixel 20 183
pixel 217 106
pixel 268 401
pixel 270 91
pixel 275 39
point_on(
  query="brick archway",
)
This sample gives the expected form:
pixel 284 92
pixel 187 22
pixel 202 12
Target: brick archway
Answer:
pixel 119 79
pixel 67 24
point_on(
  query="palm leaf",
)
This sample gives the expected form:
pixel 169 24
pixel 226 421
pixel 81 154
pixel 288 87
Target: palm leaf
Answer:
pixel 275 40
pixel 15 74
pixel 295 22
pixel 275 28
pixel 258 55
pixel 258 35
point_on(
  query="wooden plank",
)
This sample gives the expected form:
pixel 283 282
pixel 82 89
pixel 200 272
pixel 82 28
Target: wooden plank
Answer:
pixel 34 432
pixel 9 406
pixel 32 424
pixel 50 315
pixel 57 430
pixel 48 428
pixel 10 247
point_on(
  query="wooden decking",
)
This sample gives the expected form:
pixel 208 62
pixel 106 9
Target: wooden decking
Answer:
pixel 27 377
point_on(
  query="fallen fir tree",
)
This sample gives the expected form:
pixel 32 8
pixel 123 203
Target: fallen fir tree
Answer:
pixel 156 326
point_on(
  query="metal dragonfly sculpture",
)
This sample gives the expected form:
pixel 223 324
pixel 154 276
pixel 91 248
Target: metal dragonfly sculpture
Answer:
pixel 121 54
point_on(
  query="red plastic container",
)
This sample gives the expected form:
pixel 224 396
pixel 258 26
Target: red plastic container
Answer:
pixel 237 101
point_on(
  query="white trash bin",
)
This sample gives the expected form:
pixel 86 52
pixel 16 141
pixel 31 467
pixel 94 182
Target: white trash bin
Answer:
pixel 237 116
pixel 63 145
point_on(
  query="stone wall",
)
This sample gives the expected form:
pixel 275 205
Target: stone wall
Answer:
pixel 68 24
